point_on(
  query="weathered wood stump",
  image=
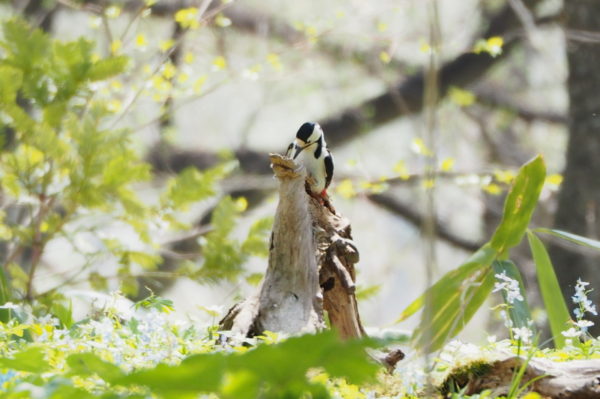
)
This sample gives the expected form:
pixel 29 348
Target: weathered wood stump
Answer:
pixel 310 270
pixel 289 299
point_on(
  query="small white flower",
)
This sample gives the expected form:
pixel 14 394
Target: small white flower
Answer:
pixel 584 323
pixel 10 305
pixel 571 333
pixel 522 334
pixel 508 285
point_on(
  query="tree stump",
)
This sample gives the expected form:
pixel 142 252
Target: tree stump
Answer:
pixel 310 270
pixel 289 299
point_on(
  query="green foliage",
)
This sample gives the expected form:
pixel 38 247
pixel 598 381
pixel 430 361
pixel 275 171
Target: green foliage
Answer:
pixel 79 174
pixel 519 206
pixel 266 369
pixel 150 357
pixel 223 255
pixel 452 301
pixel 558 313
pixel 31 360
pixel 155 302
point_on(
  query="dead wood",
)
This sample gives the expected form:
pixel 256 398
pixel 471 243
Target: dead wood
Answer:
pixel 289 299
pixel 577 379
pixel 337 255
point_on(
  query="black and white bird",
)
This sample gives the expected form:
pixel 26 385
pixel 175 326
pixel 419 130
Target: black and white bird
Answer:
pixel 310 146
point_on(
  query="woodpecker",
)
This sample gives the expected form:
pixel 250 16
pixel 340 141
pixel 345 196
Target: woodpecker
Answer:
pixel 310 146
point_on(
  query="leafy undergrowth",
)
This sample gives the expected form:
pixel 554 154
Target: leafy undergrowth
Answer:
pixel 129 351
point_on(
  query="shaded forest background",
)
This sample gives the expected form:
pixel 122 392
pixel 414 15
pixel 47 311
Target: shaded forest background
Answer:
pixel 239 84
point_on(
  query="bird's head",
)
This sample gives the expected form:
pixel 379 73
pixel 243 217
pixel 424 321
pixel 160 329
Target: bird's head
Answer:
pixel 310 133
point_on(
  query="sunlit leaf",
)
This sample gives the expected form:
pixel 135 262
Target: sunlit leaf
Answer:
pixel 519 205
pixel 32 359
pixel 87 364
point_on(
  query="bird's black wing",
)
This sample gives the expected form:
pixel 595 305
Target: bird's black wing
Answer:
pixel 328 169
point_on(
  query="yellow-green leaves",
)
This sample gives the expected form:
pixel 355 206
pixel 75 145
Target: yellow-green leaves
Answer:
pixel 107 68
pixel 191 185
pixel 10 81
pixel 519 205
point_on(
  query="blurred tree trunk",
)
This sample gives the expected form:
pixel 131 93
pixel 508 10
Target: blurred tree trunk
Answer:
pixel 579 200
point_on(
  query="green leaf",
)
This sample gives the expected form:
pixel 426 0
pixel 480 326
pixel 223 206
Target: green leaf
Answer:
pixel 577 239
pixel 192 185
pixel 519 205
pixel 451 311
pixel 483 257
pixel 87 364
pixel 63 312
pixel 518 311
pixel 266 369
pixel 31 359
pixel 107 68
pixel 10 82
pixel 556 308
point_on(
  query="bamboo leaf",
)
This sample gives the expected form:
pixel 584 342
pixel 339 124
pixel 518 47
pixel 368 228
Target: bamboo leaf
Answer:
pixel 484 256
pixel 519 205
pixel 452 310
pixel 577 239
pixel 558 313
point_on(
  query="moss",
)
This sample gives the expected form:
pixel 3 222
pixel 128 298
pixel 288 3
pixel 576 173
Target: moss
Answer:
pixel 460 377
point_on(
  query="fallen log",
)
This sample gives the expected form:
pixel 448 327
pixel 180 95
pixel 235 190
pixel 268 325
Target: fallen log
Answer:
pixel 576 379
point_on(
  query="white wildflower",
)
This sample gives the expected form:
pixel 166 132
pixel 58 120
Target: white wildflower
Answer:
pixel 509 286
pixel 572 333
pixel 580 298
pixel 523 334
pixel 584 323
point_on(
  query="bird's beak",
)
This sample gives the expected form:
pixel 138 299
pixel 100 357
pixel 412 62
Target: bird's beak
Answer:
pixel 298 151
